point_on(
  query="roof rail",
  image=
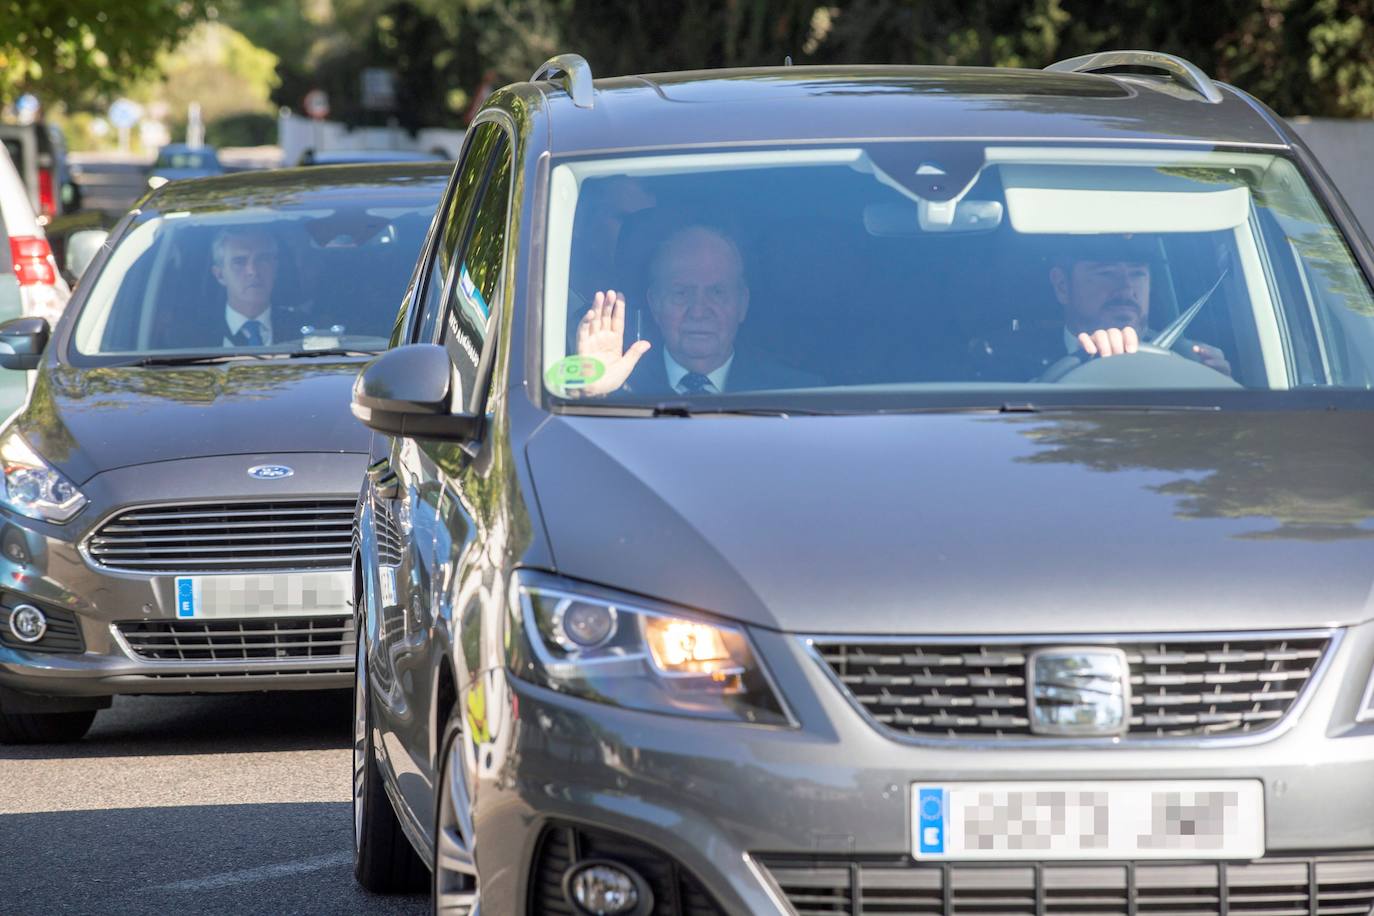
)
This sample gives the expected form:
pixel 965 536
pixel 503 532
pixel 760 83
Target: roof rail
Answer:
pixel 576 77
pixel 1185 72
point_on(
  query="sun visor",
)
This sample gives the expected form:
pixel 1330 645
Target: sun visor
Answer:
pixel 1077 199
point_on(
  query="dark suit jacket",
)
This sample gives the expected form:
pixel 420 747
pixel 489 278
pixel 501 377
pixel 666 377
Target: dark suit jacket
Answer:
pixel 751 371
pixel 1024 354
pixel 209 334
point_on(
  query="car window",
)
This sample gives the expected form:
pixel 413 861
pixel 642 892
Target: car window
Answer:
pixel 473 295
pixel 921 274
pixel 310 273
pixel 476 162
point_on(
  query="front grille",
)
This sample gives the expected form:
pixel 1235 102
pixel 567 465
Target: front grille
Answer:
pixel 1180 687
pixel 230 536
pixel 239 640
pixel 388 534
pixel 676 891
pixel 1328 885
pixel 63 633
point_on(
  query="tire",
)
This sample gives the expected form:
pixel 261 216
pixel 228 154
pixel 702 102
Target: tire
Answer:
pixel 384 862
pixel 44 727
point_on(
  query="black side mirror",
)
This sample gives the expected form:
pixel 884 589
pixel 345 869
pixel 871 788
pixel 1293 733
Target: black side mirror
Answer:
pixel 25 338
pixel 408 391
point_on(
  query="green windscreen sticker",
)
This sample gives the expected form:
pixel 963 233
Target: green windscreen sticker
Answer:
pixel 574 372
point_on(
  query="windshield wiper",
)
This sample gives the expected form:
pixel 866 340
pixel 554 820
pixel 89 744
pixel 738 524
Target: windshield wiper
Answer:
pixel 682 409
pixel 199 359
pixel 330 351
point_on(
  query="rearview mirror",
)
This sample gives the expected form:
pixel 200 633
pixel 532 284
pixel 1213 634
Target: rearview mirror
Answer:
pixel 25 339
pixel 82 247
pixel 408 391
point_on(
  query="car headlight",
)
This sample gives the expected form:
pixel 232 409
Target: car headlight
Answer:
pixel 583 641
pixel 33 487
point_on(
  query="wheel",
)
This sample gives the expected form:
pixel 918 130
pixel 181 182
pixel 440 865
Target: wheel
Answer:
pixel 1149 367
pixel 455 867
pixel 384 862
pixel 44 727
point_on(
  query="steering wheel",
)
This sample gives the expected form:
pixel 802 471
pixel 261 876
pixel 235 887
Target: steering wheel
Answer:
pixel 1150 366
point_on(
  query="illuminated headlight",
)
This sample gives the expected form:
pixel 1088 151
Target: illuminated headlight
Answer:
pixel 33 487
pixel 586 642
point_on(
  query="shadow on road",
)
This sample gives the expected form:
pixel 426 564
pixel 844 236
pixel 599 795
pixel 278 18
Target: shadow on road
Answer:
pixel 280 858
pixel 208 724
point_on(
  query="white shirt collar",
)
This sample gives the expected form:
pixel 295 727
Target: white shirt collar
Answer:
pixel 676 371
pixel 236 320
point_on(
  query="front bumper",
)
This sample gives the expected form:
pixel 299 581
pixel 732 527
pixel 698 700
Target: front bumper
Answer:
pixel 776 820
pixel 118 632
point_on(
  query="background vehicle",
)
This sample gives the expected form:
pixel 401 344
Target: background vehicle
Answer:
pixel 177 161
pixel 356 156
pixel 178 499
pixel 29 282
pixel 39 154
pixel 912 636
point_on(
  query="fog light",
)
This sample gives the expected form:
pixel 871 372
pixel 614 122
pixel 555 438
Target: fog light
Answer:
pixel 606 889
pixel 27 623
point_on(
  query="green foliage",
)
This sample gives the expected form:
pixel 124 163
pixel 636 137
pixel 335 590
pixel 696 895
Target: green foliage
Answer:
pixel 76 51
pixel 242 130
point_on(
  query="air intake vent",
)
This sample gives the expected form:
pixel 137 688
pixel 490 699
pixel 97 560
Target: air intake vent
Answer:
pixel 1332 885
pixel 1179 687
pixel 227 537
pixel 240 640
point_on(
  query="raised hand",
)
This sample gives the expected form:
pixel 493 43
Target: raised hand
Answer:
pixel 601 335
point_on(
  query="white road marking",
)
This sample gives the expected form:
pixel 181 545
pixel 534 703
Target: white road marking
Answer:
pixel 261 873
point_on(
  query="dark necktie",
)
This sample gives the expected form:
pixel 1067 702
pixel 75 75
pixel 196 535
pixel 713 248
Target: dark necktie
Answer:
pixel 695 383
pixel 251 333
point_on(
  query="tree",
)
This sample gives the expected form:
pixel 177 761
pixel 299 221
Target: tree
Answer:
pixel 76 51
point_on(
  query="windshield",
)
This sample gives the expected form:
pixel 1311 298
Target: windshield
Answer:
pixel 258 280
pixel 921 274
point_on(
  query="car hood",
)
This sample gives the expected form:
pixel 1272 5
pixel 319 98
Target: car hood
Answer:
pixel 89 420
pixel 1049 523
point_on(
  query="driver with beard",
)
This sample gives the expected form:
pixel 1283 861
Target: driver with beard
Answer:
pixel 1103 288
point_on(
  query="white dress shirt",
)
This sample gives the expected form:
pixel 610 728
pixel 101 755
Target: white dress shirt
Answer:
pixel 676 371
pixel 236 321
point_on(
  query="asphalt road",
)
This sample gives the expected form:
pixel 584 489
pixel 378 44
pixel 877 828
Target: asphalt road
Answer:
pixel 228 804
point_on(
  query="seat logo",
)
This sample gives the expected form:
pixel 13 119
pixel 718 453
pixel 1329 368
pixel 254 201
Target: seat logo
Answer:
pixel 1079 691
pixel 270 471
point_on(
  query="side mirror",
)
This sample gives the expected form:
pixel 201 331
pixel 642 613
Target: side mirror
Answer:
pixel 25 338
pixel 82 247
pixel 408 391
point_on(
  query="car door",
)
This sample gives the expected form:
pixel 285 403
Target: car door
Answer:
pixel 405 633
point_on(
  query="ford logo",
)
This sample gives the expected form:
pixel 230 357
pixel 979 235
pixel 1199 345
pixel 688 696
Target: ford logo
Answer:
pixel 270 471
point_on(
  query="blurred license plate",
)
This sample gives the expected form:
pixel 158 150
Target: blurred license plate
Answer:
pixel 1204 819
pixel 229 596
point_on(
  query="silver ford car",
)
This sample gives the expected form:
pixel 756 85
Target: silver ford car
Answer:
pixel 177 501
pixel 874 490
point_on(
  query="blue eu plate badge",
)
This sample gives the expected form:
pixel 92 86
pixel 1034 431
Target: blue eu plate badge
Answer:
pixel 186 597
pixel 930 820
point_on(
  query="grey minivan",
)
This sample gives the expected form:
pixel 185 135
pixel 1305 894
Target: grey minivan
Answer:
pixel 874 490
pixel 176 503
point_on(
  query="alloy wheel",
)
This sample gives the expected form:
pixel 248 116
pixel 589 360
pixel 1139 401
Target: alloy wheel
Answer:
pixel 455 867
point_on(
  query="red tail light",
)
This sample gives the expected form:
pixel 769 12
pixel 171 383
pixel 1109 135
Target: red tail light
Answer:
pixel 46 201
pixel 32 260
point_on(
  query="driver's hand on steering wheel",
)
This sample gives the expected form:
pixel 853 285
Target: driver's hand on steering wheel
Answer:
pixel 1211 357
pixel 1116 341
pixel 1109 342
